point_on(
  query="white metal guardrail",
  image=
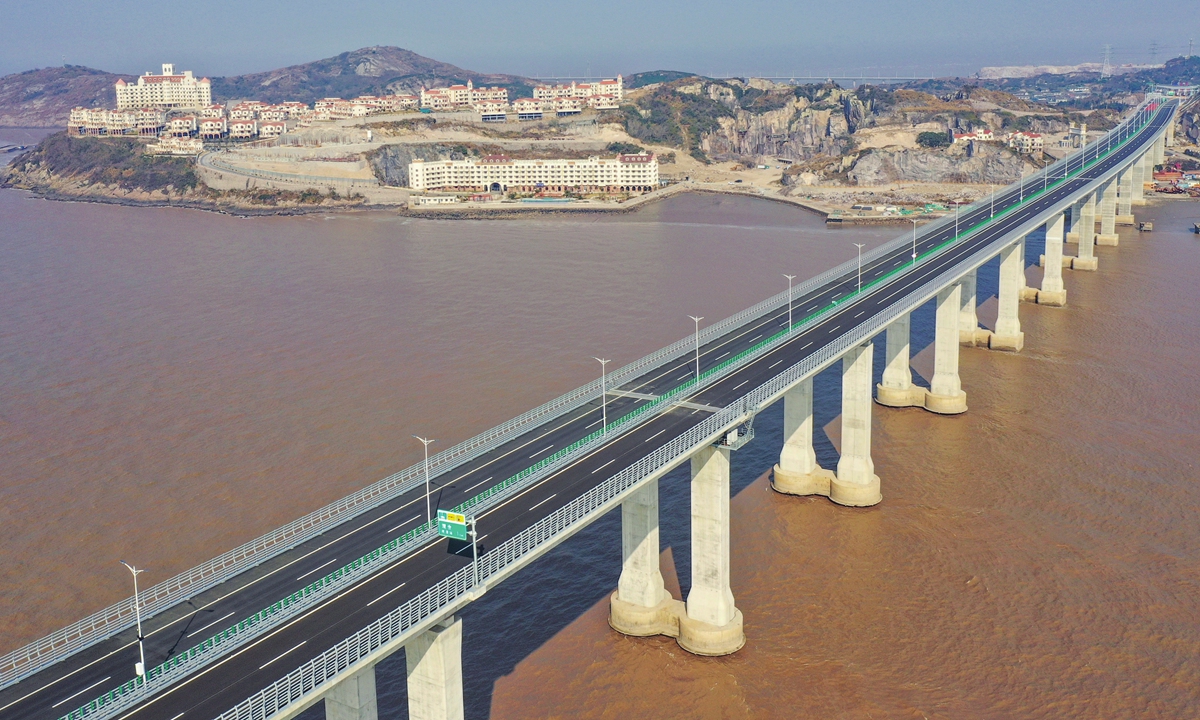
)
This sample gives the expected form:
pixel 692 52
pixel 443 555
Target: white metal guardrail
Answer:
pixel 453 590
pixel 39 654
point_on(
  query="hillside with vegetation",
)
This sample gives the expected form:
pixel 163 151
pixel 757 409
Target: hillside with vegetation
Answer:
pixel 44 98
pixel 116 161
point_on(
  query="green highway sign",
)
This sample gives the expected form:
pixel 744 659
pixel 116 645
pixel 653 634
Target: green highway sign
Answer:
pixel 452 525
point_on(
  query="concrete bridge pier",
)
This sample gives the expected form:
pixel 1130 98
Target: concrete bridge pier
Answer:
pixel 1085 231
pixel 798 472
pixel 1053 292
pixel 435 681
pixel 946 396
pixel 1138 196
pixel 969 332
pixel 1108 214
pixel 856 484
pixel 1008 335
pixel 1125 196
pixel 641 606
pixel 897 389
pixel 712 624
pixel 353 698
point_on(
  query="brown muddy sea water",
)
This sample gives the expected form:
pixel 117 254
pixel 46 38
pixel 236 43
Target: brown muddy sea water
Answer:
pixel 173 383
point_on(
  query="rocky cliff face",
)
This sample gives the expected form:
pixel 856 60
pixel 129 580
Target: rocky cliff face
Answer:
pixel 390 162
pixel 987 164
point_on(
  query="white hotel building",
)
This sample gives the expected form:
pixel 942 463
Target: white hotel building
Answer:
pixel 497 173
pixel 165 91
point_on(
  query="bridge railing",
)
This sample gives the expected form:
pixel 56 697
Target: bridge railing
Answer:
pixel 41 653
pixel 455 589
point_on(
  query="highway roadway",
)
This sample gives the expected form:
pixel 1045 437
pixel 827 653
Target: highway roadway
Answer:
pixel 67 685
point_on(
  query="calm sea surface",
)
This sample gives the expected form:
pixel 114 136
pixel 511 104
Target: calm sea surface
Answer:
pixel 174 383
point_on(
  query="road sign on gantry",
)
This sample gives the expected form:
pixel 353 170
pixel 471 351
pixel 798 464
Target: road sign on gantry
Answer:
pixel 452 525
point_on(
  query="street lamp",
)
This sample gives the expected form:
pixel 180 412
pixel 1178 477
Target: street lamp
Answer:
pixel 914 222
pixel 790 278
pixel 428 507
pixel 603 395
pixel 957 205
pixel 697 321
pixel 140 668
pixel 860 247
pixel 992 192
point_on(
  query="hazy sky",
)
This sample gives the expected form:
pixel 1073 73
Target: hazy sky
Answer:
pixel 740 37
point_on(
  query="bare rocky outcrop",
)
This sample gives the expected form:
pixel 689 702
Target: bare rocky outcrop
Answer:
pixel 987 164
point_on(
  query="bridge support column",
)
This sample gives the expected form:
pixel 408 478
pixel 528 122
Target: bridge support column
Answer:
pixel 946 396
pixel 798 472
pixel 1125 196
pixel 856 484
pixel 1008 335
pixel 1027 294
pixel 1086 233
pixel 1108 214
pixel 897 388
pixel 1138 196
pixel 1053 292
pixel 435 682
pixel 713 624
pixel 353 698
pixel 641 606
pixel 969 332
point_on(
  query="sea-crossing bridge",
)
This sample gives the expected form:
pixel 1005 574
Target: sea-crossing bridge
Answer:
pixel 304 613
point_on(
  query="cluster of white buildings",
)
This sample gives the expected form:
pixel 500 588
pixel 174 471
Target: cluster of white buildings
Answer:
pixel 1026 143
pixel 553 100
pixel 497 173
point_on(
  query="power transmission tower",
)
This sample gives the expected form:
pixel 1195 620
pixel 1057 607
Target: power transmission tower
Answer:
pixel 1107 69
pixel 1153 53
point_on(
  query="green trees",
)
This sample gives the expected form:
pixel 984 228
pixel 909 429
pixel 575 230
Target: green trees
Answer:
pixel 933 139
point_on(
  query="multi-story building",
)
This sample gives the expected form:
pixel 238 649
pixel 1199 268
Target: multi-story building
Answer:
pixel 529 108
pixel 273 113
pixel 497 173
pixel 165 91
pixel 568 106
pixel 151 121
pixel 614 87
pixel 461 96
pixel 243 129
pixel 603 102
pixel 271 129
pixel 182 126
pixel 1026 143
pixel 492 111
pixel 243 111
pixel 213 111
pixel 213 128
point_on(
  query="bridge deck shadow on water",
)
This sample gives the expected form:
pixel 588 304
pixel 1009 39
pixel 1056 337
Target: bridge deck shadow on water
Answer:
pixel 518 617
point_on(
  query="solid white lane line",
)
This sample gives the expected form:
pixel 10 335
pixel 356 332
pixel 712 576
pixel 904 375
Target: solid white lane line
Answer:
pixel 539 452
pixel 389 592
pixel 414 517
pixel 261 640
pixel 214 622
pixel 179 715
pixel 477 484
pixel 610 462
pixel 261 667
pixel 310 572
pixel 660 432
pixel 544 502
pixel 89 687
